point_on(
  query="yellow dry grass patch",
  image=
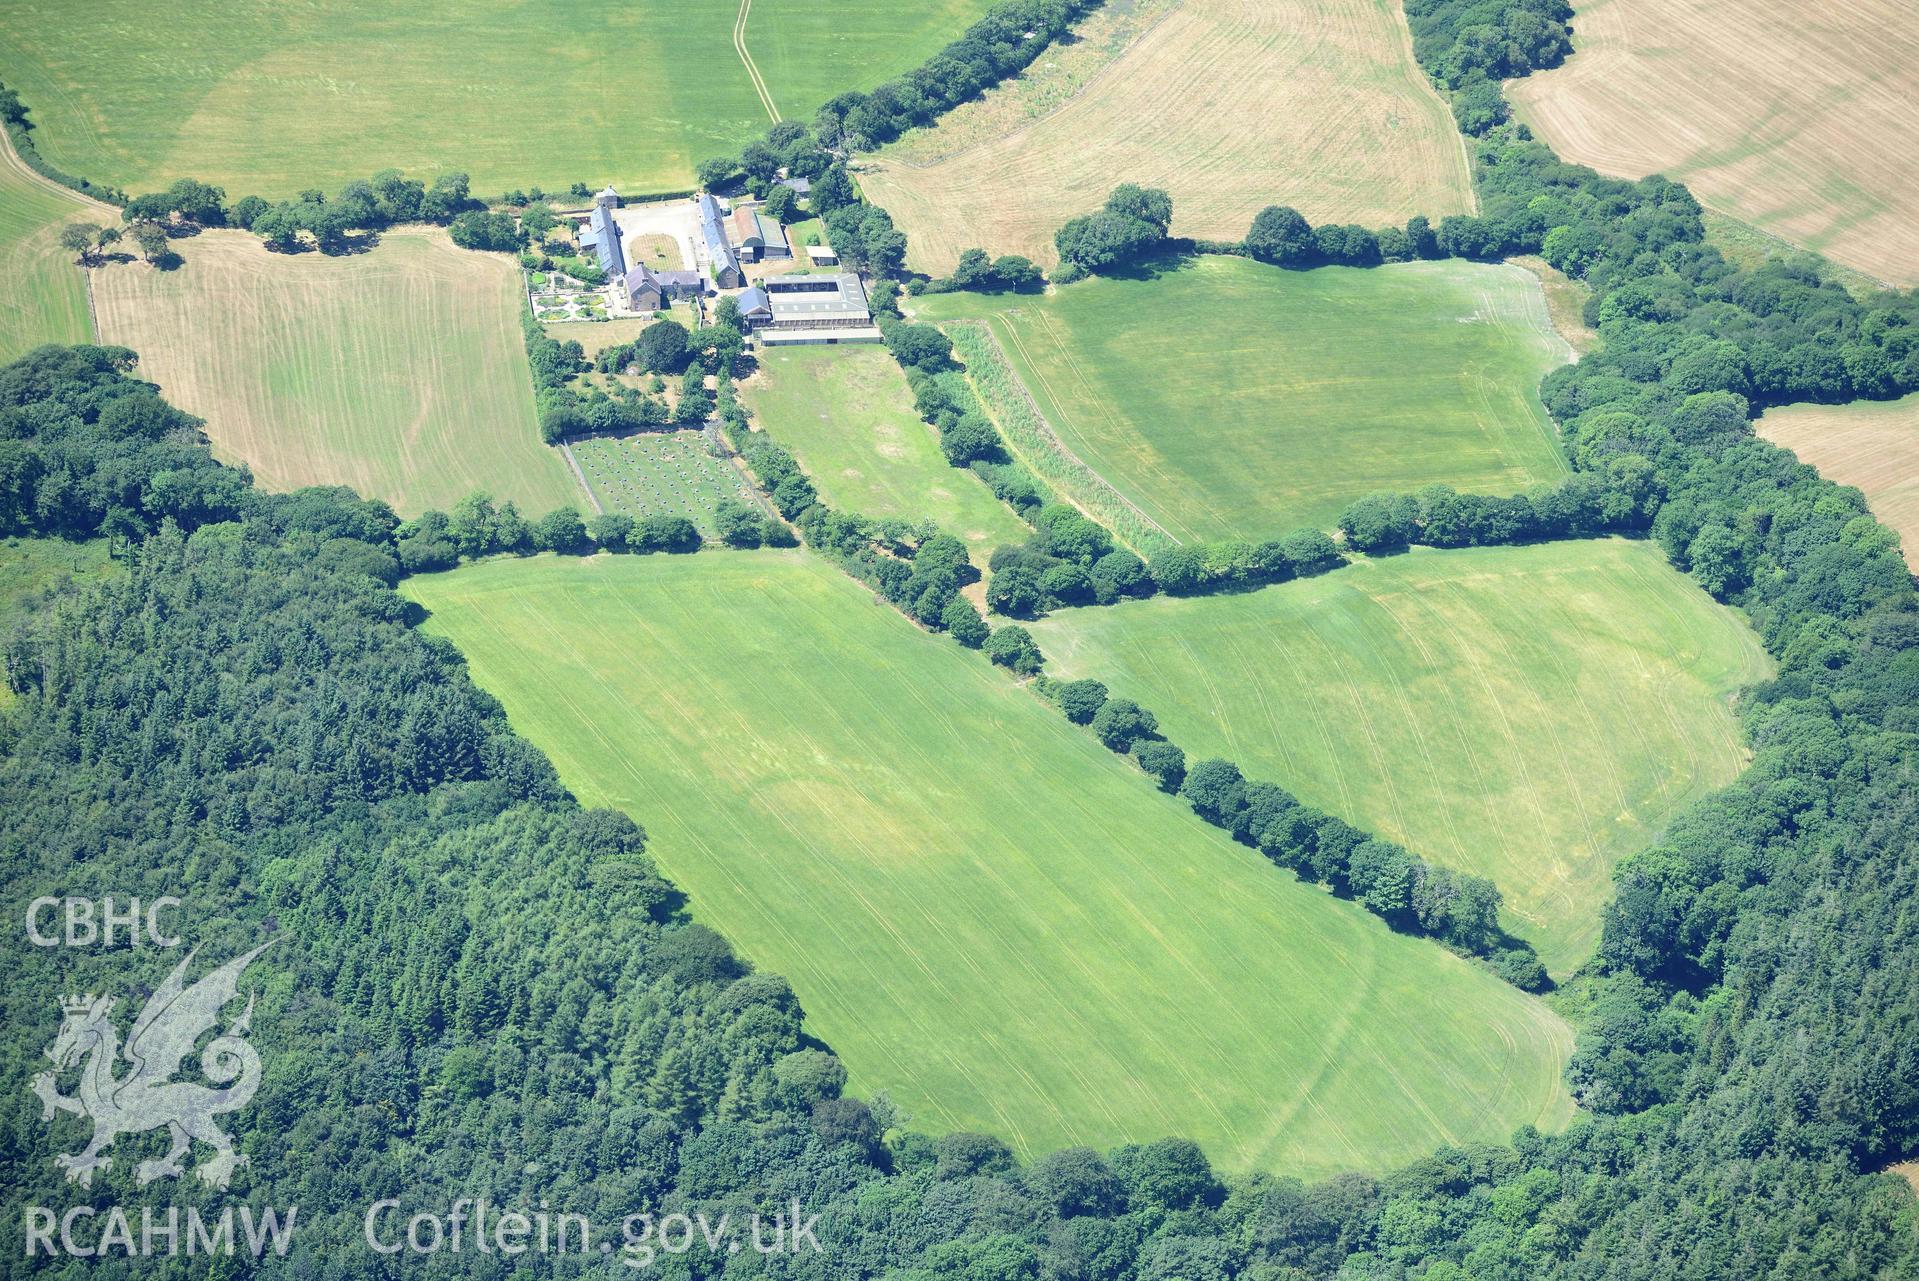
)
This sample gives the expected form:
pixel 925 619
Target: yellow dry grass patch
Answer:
pixel 1874 446
pixel 1565 303
pixel 1230 105
pixel 595 336
pixel 1795 117
pixel 398 371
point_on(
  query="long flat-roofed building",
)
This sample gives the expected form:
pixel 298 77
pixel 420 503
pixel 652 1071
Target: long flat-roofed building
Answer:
pixel 817 309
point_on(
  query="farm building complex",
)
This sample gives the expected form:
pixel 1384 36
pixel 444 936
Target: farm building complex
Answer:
pixel 783 310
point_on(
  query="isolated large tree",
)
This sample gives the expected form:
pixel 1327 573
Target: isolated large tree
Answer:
pixel 78 238
pixel 152 239
pixel 1281 234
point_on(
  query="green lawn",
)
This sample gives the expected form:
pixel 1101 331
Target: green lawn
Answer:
pixel 1231 399
pixel 1528 713
pixel 659 474
pixel 399 371
pixel 983 911
pixel 43 295
pixel 847 414
pixel 272 98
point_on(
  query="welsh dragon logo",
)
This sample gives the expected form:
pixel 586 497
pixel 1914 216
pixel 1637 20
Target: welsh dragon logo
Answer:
pixel 146 1097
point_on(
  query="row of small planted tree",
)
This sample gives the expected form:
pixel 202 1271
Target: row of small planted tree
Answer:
pixel 1407 892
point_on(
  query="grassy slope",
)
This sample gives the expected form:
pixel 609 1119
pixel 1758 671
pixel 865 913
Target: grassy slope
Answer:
pixel 1874 445
pixel 1796 118
pixel 271 98
pixel 1230 105
pixel 32 566
pixel 985 913
pixel 847 414
pixel 398 371
pixel 1531 714
pixel 42 293
pixel 1232 399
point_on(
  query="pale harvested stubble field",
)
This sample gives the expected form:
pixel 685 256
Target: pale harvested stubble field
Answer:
pixel 1872 445
pixel 1230 105
pixel 1801 119
pixel 398 371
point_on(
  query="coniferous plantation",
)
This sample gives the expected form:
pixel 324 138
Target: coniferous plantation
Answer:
pixel 479 998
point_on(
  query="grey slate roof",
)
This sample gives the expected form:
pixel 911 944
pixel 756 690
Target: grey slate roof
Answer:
pixel 682 284
pixel 755 299
pixel 671 284
pixel 641 277
pixel 713 228
pixel 604 235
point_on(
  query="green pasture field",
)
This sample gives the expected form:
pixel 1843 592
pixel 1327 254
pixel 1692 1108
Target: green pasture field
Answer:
pixel 984 912
pixel 43 296
pixel 270 98
pixel 847 414
pixel 399 371
pixel 1528 713
pixel 659 474
pixel 1230 399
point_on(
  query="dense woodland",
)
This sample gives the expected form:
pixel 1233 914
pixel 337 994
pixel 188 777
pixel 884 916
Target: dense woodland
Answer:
pixel 484 987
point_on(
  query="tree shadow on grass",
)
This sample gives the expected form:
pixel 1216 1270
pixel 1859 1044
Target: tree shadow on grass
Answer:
pixel 353 242
pixel 1172 256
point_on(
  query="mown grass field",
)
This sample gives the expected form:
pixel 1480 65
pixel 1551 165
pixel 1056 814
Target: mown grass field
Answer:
pixel 984 912
pixel 1227 398
pixel 847 414
pixel 1792 117
pixel 399 371
pixel 270 98
pixel 1873 445
pixel 595 335
pixel 659 474
pixel 1531 714
pixel 42 292
pixel 1230 105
